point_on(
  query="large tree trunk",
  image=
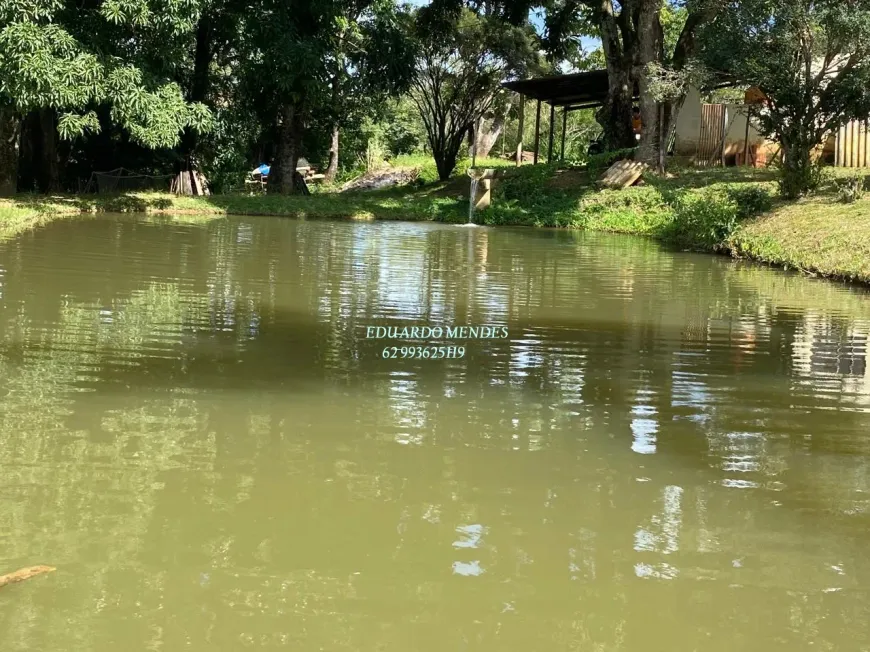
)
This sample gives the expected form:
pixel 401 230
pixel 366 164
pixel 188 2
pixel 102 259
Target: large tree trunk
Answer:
pixel 29 149
pixel 797 177
pixel 332 168
pixel 9 134
pixel 445 163
pixel 446 153
pixel 651 50
pixel 614 115
pixel 488 132
pixel 619 43
pixel 198 91
pixel 48 173
pixel 282 176
pixel 685 48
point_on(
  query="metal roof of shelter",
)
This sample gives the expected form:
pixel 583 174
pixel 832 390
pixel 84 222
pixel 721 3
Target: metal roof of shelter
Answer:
pixel 577 90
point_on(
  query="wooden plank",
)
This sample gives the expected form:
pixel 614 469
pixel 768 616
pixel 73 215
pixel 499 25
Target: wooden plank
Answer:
pixel 194 183
pixel 862 154
pixel 838 159
pixel 711 137
pixel 867 142
pixel 623 174
pixel 847 161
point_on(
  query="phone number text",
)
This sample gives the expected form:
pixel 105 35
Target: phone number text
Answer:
pixel 424 352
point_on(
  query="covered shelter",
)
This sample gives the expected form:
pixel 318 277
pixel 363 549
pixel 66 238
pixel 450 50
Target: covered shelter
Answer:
pixel 709 134
pixel 582 90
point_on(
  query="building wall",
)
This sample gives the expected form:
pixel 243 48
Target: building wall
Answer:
pixel 689 129
pixel 689 125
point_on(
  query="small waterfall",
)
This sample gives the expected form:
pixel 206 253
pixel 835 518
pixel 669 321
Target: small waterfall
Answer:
pixel 472 199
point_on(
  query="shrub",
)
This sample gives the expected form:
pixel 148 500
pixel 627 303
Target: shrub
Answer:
pixel 703 220
pixel 807 179
pixel 750 200
pixel 851 188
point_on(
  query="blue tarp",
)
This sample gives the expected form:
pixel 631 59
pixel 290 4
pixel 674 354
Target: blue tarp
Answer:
pixel 264 170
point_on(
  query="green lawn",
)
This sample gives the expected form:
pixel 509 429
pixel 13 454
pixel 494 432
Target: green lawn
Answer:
pixel 730 210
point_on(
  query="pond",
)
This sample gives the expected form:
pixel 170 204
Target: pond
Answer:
pixel 669 451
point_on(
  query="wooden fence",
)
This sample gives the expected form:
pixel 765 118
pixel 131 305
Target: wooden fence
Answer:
pixel 852 149
pixel 712 137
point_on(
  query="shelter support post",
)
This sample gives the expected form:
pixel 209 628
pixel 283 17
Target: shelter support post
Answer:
pixel 552 133
pixel 564 130
pixel 746 140
pixel 521 129
pixel 537 131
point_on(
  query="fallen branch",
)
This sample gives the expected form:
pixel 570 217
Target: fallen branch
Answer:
pixel 24 574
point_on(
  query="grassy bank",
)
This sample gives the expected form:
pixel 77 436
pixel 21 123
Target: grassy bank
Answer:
pixel 730 210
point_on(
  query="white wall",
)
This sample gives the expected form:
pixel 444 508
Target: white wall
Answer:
pixel 689 126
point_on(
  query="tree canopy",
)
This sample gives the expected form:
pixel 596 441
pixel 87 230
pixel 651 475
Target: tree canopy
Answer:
pixel 459 72
pixel 811 60
pixel 223 85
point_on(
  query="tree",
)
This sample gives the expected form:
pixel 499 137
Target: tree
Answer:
pixel 644 43
pixel 617 26
pixel 812 61
pixel 459 76
pixel 59 62
pixel 666 67
pixel 212 56
pixel 372 61
pixel 305 58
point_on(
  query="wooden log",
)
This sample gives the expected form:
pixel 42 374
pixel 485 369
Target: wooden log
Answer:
pixel 24 574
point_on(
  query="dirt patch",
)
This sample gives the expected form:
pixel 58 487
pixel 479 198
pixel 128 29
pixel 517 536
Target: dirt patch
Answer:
pixel 381 179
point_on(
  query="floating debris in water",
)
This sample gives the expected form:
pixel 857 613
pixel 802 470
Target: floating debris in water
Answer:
pixel 24 574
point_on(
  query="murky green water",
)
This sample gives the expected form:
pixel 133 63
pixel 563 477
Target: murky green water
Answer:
pixel 669 452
